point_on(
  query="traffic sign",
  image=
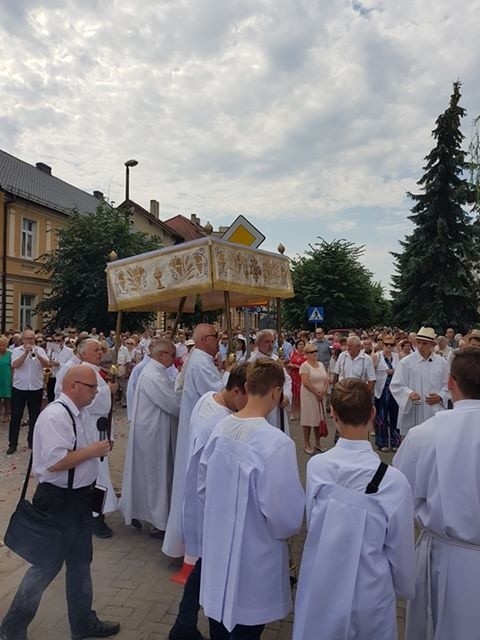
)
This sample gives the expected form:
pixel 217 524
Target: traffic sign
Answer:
pixel 315 314
pixel 243 232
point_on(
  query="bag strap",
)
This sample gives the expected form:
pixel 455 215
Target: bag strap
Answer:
pixel 374 483
pixel 71 472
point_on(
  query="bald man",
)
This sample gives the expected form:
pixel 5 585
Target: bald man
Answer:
pixel 201 376
pixel 57 448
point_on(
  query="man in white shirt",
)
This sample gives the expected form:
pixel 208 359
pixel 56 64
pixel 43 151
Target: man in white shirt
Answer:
pixel 58 354
pixel 419 384
pixel 440 461
pixel 355 363
pixel 148 471
pixel 28 362
pixel 56 450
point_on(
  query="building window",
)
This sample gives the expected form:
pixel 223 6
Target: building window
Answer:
pixel 27 310
pixel 29 228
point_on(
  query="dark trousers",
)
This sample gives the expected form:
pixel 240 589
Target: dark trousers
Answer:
pixel 185 627
pixel 239 631
pixel 77 555
pixel 51 389
pixel 33 400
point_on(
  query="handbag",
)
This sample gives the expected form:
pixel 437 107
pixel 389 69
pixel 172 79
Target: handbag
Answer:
pixel 33 534
pixel 322 425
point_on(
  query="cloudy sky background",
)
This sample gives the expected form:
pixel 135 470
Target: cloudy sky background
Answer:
pixel 310 117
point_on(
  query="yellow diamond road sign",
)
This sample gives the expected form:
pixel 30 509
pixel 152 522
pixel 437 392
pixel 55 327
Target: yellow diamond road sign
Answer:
pixel 243 232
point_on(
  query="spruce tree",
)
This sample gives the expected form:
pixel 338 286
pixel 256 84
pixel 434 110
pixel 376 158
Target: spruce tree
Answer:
pixel 435 284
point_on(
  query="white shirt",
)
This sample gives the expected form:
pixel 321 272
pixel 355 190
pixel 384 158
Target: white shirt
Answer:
pixel 61 354
pixel 54 438
pixel 360 367
pixel 29 375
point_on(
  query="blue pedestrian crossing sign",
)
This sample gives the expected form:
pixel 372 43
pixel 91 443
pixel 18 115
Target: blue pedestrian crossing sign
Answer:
pixel 315 314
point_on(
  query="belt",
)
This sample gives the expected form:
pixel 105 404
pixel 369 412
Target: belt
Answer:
pixel 79 491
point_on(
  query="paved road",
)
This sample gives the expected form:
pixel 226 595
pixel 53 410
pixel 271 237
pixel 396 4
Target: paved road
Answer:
pixel 130 573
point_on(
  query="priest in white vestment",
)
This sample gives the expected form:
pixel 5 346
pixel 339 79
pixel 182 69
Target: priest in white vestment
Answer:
pixel 441 461
pixel 253 501
pixel 201 375
pixel 278 417
pixel 419 384
pixel 209 410
pixel 148 471
pixel 359 551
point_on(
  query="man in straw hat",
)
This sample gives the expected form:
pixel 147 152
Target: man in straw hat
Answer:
pixel 473 338
pixel 419 384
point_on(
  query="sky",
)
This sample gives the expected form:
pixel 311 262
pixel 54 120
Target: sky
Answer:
pixel 312 118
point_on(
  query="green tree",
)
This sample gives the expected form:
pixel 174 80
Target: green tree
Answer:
pixel 434 284
pixel 330 274
pixel 77 269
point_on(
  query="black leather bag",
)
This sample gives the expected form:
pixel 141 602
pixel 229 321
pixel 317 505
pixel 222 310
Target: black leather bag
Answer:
pixel 34 535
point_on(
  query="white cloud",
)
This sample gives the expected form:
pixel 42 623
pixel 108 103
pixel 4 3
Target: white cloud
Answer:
pixel 280 109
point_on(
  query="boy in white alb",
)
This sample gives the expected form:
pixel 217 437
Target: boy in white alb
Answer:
pixel 253 501
pixel 359 551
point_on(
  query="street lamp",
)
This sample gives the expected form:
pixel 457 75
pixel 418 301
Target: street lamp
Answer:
pixel 128 164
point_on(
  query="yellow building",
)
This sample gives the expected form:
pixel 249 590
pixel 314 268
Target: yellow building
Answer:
pixel 33 204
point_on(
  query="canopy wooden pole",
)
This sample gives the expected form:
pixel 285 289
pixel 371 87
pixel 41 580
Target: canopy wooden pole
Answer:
pixel 118 330
pixel 228 317
pixel 177 319
pixel 279 327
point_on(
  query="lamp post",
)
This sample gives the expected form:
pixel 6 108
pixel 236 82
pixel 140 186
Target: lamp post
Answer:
pixel 128 164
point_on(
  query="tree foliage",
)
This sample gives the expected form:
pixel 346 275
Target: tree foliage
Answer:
pixel 331 275
pixel 77 269
pixel 435 285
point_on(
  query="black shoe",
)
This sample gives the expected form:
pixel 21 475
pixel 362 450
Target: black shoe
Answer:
pixel 98 629
pixel 156 533
pixel 179 633
pixel 136 523
pixel 100 529
pixel 11 449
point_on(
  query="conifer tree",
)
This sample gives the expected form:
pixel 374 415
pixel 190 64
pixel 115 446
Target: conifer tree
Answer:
pixel 435 283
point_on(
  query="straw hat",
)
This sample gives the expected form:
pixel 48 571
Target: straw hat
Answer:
pixel 426 333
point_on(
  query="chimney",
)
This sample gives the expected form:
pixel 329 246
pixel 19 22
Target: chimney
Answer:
pixel 98 195
pixel 155 209
pixel 194 219
pixel 44 168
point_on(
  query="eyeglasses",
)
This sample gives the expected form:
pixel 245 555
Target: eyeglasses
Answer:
pixel 311 351
pixel 211 335
pixel 167 353
pixel 58 339
pixel 85 384
pixel 389 344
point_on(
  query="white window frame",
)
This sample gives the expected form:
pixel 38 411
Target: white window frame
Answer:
pixel 28 239
pixel 27 309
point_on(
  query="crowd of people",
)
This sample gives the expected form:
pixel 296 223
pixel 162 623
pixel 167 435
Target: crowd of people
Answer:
pixel 211 470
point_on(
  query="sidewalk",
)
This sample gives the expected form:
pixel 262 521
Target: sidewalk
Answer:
pixel 130 573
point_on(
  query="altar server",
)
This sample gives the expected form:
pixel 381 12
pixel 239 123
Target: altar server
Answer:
pixel 359 552
pixel 440 459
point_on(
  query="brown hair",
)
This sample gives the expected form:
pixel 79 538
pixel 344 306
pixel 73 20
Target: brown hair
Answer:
pixel 263 375
pixel 237 377
pixel 352 402
pixel 465 369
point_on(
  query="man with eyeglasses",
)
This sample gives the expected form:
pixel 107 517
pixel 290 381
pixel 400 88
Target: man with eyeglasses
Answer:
pixel 28 362
pixel 148 471
pixel 56 450
pixel 201 375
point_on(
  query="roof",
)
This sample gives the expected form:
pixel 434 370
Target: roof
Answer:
pixel 22 179
pixel 185 228
pixel 166 228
